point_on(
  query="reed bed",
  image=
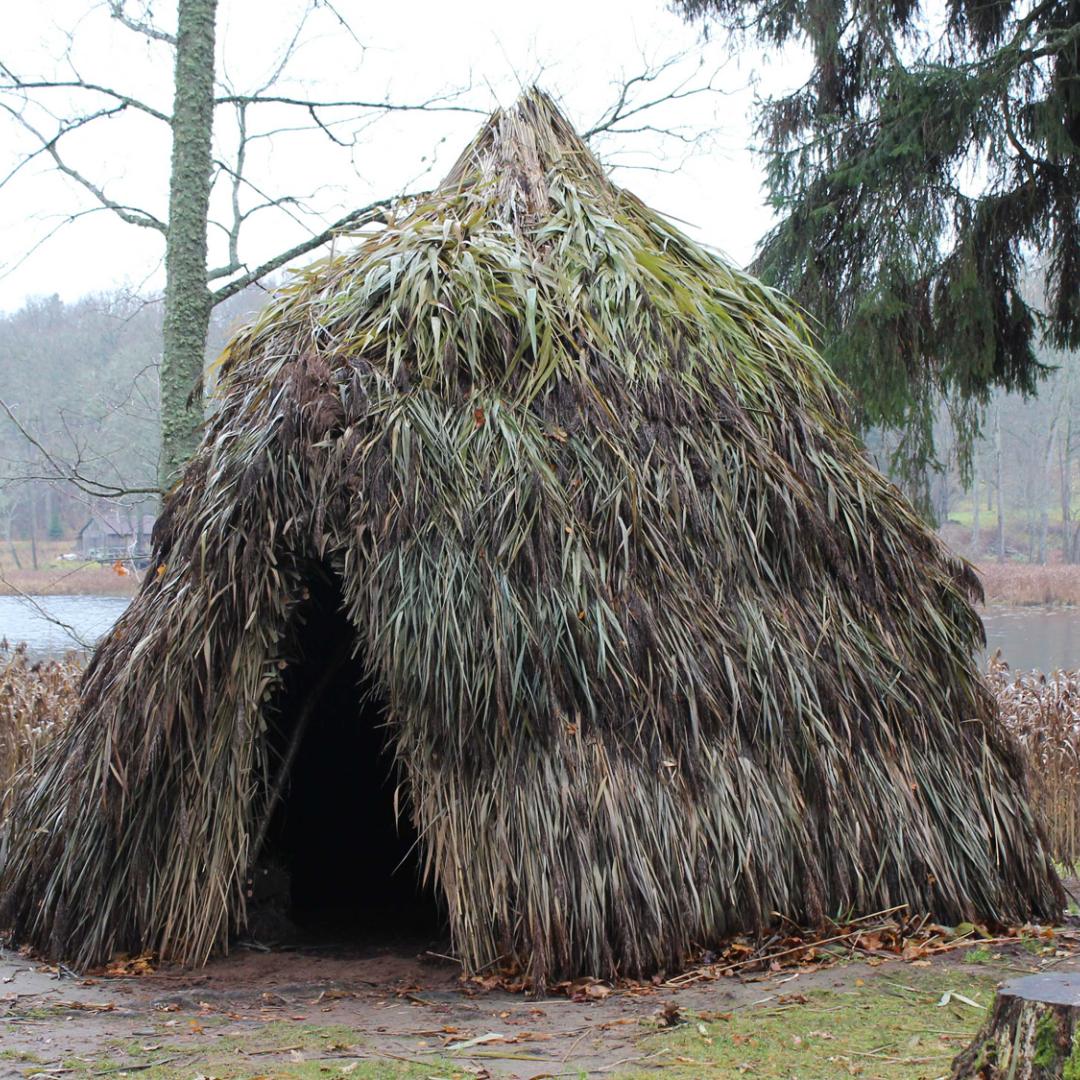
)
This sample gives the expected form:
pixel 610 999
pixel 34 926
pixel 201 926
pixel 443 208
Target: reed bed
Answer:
pixel 1042 711
pixel 67 579
pixel 1030 585
pixel 36 699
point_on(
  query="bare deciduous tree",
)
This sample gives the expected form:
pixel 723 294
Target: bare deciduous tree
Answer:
pixel 50 110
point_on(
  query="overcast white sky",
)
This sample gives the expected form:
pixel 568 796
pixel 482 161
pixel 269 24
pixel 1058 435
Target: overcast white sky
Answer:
pixel 408 50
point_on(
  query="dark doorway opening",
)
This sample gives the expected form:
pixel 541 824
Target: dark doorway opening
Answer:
pixel 341 861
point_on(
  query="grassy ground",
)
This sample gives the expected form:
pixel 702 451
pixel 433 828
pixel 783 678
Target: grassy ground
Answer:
pixel 1015 520
pixel 894 1027
pixel 290 1050
pixel 228 1063
pixel 893 1021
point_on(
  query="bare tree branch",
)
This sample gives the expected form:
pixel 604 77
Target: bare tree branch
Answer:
pixel 375 211
pixel 342 21
pixel 268 202
pixel 140 26
pixel 237 178
pixel 133 215
pixel 434 104
pixel 16 83
pixel 85 484
pixel 7 271
pixel 626 105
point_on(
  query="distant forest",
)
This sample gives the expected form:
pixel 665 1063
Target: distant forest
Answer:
pixel 1020 497
pixel 81 383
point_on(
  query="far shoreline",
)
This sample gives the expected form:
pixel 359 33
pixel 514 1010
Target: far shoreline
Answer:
pixel 86 580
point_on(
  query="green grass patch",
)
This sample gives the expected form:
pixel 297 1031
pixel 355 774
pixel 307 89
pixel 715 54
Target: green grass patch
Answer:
pixel 21 1055
pixel 891 1028
pixel 226 1067
pixel 292 1050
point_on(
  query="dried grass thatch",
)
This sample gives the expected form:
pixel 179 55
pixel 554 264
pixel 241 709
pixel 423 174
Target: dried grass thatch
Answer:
pixel 663 654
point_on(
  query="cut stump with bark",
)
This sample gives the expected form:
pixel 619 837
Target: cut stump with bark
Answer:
pixel 1031 1033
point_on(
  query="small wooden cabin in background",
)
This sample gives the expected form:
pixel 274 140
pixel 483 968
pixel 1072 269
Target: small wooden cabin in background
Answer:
pixel 116 535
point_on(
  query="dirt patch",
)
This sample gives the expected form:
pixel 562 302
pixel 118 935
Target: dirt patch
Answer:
pixel 389 1011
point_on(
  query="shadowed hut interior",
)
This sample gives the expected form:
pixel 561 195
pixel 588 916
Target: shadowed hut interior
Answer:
pixel 331 764
pixel 659 653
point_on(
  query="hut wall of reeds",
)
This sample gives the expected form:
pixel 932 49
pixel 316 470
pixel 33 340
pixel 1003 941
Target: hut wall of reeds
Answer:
pixel 659 653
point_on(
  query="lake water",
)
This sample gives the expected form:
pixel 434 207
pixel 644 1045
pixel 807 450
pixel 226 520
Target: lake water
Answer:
pixel 37 621
pixel 1044 638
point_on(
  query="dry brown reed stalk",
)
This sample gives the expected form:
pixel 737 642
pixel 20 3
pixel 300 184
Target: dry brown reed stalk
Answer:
pixel 1042 711
pixel 662 653
pixel 37 697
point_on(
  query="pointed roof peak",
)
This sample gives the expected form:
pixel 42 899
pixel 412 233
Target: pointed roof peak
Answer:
pixel 516 151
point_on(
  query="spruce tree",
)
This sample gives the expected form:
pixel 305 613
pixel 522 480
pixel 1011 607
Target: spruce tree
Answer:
pixel 929 161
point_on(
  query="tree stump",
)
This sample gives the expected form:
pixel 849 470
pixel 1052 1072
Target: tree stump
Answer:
pixel 1031 1033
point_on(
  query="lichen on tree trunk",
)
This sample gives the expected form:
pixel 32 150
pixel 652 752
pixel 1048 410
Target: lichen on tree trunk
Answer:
pixel 187 296
pixel 1031 1033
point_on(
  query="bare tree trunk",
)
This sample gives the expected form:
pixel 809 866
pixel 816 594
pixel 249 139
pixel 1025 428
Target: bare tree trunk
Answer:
pixel 187 297
pixel 975 523
pixel 11 543
pixel 33 525
pixel 1000 486
pixel 1044 493
pixel 943 495
pixel 51 526
pixel 1066 483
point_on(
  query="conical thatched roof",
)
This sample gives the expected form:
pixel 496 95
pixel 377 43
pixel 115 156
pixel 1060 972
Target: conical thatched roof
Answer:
pixel 663 654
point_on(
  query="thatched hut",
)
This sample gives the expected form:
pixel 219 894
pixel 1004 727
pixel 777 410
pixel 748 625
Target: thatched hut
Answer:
pixel 534 500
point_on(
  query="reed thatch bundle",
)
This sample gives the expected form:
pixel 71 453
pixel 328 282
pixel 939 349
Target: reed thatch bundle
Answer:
pixel 663 654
